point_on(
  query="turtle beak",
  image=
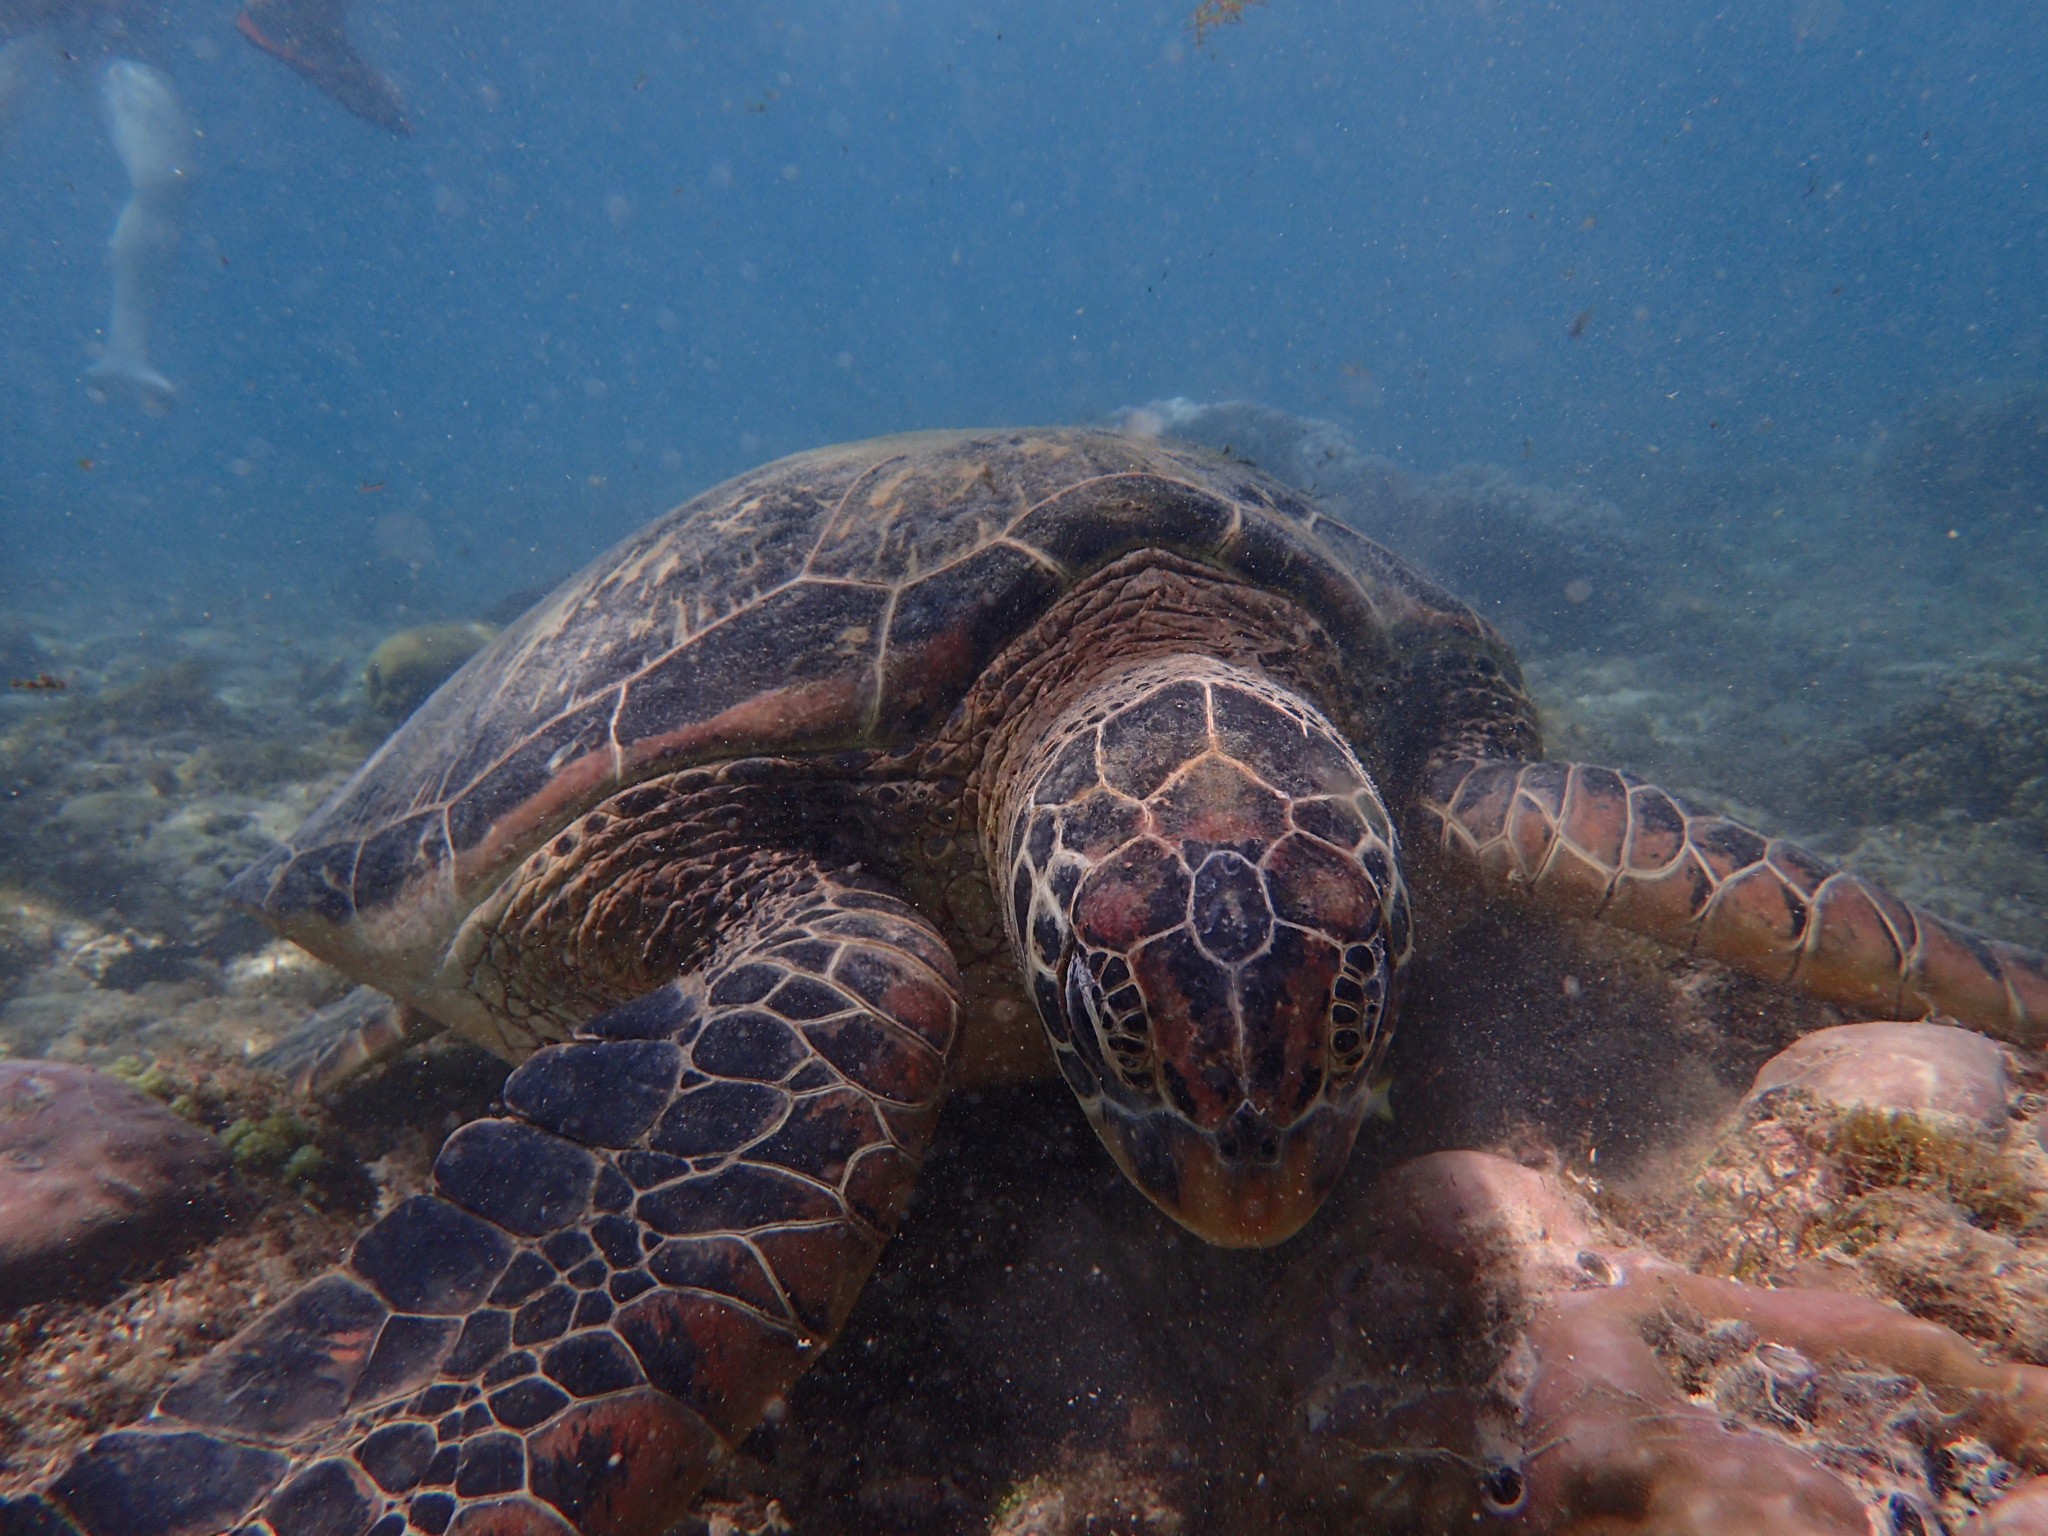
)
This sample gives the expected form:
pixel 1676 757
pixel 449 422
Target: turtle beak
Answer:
pixel 1249 1184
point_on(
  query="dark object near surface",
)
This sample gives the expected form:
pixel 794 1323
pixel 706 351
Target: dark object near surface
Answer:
pixel 311 36
pixel 94 1176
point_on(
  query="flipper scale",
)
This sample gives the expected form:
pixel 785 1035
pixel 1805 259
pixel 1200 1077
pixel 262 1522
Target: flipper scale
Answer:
pixel 571 1331
pixel 1586 841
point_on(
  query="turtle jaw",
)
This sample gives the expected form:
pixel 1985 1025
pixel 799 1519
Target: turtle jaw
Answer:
pixel 1227 1193
pixel 397 945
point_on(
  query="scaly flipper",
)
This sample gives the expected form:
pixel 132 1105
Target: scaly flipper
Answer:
pixel 344 1039
pixel 312 37
pixel 1595 843
pixel 611 1282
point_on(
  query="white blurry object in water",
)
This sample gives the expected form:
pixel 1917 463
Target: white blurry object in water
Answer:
pixel 155 141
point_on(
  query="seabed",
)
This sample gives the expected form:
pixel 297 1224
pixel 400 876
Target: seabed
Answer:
pixel 1039 1350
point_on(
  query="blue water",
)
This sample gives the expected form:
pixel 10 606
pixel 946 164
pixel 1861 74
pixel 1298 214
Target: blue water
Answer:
pixel 635 247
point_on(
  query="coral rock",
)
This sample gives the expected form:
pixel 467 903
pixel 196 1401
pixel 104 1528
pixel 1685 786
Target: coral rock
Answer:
pixel 94 1177
pixel 1098 1495
pixel 411 664
pixel 1500 1346
pixel 2023 1512
pixel 1927 1069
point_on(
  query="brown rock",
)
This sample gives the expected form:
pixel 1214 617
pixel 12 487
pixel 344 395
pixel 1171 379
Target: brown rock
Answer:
pixel 1925 1068
pixel 2023 1512
pixel 95 1178
pixel 1501 1351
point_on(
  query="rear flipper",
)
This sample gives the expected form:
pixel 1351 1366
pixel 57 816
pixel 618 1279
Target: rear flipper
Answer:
pixel 610 1284
pixel 1594 843
pixel 344 1039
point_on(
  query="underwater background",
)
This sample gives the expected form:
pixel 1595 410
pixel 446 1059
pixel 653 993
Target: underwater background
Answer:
pixel 631 249
pixel 1703 347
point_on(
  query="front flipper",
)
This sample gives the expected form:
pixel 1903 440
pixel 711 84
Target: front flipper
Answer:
pixel 1594 843
pixel 345 1039
pixel 610 1284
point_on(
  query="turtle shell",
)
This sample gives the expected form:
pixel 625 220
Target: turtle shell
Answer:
pixel 845 597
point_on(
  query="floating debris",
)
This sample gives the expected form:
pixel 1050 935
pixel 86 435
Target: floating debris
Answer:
pixel 1211 14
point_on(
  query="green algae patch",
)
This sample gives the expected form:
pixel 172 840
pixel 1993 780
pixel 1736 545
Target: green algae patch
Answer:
pixel 280 1145
pixel 148 1077
pixel 1879 1150
pixel 411 664
pixel 263 1140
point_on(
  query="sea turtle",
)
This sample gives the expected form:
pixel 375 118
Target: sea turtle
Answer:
pixel 799 805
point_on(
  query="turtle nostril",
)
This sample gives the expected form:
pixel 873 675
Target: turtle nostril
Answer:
pixel 1249 1136
pixel 1502 1490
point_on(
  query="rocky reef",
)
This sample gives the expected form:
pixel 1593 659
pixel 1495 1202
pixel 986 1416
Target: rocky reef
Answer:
pixel 1974 462
pixel 1501 1351
pixel 1975 747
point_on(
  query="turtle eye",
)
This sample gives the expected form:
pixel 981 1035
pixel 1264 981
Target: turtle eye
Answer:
pixel 1357 1003
pixel 1116 1018
pixel 1084 996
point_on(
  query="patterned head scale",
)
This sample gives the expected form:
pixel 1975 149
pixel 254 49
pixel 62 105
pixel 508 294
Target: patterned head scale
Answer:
pixel 1205 897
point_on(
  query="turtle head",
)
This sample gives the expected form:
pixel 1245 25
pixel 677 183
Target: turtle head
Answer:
pixel 1203 893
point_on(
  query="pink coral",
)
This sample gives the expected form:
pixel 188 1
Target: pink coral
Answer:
pixel 1619 1393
